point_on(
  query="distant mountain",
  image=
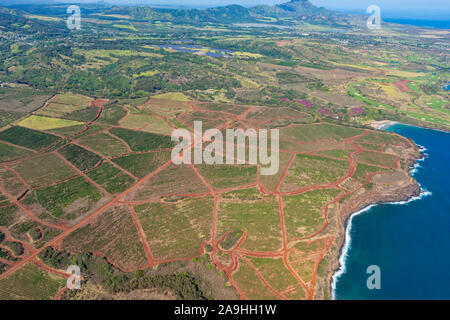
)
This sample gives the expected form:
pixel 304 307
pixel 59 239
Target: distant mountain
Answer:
pixel 300 10
pixel 286 13
pixel 297 6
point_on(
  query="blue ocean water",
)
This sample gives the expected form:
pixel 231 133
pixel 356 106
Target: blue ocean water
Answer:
pixel 439 24
pixel 409 242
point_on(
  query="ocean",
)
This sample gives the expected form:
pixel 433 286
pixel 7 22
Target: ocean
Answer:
pixel 410 242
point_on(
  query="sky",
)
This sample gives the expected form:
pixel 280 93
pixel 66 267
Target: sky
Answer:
pixel 394 8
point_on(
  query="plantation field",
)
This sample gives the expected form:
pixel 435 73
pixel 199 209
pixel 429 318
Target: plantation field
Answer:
pixel 303 213
pixel 143 163
pixel 112 179
pixel 308 170
pixel 227 176
pixel 86 120
pixel 258 219
pixel 254 289
pixel 278 276
pixel 64 104
pixel 28 138
pixel 141 141
pixel 80 157
pixel 104 144
pixel 68 199
pixel 310 133
pixel 176 230
pixel 9 152
pixel 172 180
pixel 101 236
pixel 30 283
pixel 43 169
pixel 46 123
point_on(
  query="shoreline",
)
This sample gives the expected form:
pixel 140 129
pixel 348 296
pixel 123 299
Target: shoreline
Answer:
pixel 343 254
pixel 380 125
pixel 346 245
pixel 384 124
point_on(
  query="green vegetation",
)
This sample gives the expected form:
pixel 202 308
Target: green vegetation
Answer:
pixel 162 222
pixel 16 247
pixel 144 163
pixel 309 170
pixel 28 138
pixel 319 77
pixel 303 213
pixel 83 115
pixel 114 234
pixel 231 240
pixel 30 283
pixel 44 169
pixel 309 133
pixel 142 141
pixel 58 197
pixel 111 178
pixel 182 286
pixel 80 157
pixel 104 144
pixel 112 114
pixel 363 170
pixel 46 123
pixel 8 152
pixel 377 158
pixel 226 176
pixel 259 219
pixel 7 215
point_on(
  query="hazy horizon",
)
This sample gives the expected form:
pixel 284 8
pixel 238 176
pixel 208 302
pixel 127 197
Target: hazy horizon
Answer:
pixel 416 9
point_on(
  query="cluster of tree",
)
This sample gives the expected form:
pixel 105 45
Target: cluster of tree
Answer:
pixel 182 286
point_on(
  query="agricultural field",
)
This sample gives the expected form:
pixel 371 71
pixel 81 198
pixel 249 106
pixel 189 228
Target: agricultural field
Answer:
pixel 86 170
pixel 124 200
pixel 30 283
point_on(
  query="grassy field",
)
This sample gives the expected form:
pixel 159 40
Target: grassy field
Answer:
pixel 107 97
pixel 64 104
pixel 46 123
pixel 279 277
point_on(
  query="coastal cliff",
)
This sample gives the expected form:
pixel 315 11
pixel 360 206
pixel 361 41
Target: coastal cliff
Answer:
pixel 394 186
